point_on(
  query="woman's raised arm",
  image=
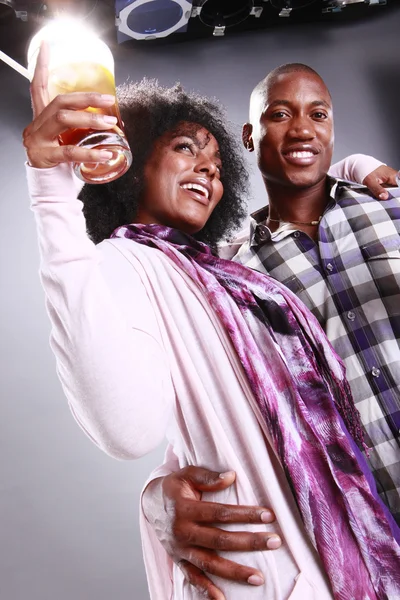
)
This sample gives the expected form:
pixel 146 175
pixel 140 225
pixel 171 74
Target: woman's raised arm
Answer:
pixel 111 362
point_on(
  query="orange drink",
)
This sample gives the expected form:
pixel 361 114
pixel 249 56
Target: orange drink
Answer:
pixel 80 62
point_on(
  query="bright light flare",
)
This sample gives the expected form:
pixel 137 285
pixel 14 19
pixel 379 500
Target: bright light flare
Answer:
pixel 69 42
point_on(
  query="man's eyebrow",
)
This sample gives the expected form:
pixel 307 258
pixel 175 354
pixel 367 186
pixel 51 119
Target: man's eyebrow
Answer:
pixel 321 103
pixel 287 103
pixel 278 103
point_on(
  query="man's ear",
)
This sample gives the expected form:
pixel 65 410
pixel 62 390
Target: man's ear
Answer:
pixel 247 137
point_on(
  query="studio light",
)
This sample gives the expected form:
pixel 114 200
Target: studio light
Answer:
pixel 338 5
pixel 285 7
pixel 369 2
pixel 8 10
pixel 26 10
pixel 149 19
pixel 221 14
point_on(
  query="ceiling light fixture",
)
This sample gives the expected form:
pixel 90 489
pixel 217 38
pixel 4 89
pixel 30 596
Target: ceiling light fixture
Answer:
pixel 338 5
pixel 222 14
pixel 286 7
pixel 150 19
pixel 9 8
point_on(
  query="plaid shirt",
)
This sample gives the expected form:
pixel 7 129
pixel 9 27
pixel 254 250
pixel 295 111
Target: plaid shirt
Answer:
pixel 350 280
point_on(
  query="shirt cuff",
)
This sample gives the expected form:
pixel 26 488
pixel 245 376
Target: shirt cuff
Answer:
pixel 365 166
pixel 52 182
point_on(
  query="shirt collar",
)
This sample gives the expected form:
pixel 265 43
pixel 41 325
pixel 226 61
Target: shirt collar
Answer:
pixel 261 233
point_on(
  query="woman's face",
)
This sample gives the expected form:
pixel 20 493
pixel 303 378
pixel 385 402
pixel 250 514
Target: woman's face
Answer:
pixel 182 179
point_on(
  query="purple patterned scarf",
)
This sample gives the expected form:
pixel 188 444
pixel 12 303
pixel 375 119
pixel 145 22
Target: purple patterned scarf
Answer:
pixel 300 386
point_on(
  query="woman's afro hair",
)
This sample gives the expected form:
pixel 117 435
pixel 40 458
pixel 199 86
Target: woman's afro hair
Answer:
pixel 148 111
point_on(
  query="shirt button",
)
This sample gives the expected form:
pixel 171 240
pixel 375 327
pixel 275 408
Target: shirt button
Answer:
pixel 375 372
pixel 296 234
pixel 329 266
pixel 262 233
pixel 351 316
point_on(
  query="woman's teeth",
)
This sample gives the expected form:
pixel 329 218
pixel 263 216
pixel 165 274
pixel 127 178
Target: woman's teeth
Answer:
pixel 195 187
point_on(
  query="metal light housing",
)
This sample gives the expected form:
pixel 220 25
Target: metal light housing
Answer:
pixel 150 19
pixel 222 14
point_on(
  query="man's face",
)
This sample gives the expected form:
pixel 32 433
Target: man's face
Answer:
pixel 293 130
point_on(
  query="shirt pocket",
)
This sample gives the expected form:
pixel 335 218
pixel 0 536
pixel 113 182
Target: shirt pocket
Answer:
pixel 382 258
pixel 384 249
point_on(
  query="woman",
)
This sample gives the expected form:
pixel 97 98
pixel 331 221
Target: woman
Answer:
pixel 155 335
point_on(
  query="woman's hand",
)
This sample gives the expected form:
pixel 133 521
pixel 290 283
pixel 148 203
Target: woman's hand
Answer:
pixel 66 111
pixel 382 176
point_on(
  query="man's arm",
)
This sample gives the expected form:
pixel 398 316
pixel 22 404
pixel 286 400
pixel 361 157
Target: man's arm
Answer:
pixel 186 526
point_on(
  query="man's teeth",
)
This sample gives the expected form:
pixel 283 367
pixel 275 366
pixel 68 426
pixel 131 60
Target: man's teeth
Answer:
pixel 196 187
pixel 301 154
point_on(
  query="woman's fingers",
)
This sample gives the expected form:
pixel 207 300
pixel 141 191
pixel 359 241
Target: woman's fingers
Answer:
pixel 39 85
pixel 71 104
pixel 50 156
pixel 63 113
pixel 64 119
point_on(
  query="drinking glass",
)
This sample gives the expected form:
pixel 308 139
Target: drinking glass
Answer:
pixel 81 62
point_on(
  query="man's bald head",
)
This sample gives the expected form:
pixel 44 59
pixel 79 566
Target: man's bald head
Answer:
pixel 261 90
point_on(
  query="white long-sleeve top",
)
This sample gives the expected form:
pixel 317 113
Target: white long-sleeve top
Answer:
pixel 140 356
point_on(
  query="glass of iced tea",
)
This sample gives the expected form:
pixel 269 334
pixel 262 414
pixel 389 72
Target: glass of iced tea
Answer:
pixel 80 62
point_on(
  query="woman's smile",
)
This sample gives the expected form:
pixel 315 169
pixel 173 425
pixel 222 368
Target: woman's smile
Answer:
pixel 199 189
pixel 182 180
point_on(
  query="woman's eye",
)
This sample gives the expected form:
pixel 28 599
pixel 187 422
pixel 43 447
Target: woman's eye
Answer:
pixel 185 146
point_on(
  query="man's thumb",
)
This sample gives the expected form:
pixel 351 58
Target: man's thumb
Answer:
pixel 205 480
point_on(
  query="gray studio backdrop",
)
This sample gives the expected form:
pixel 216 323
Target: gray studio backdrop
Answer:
pixel 68 513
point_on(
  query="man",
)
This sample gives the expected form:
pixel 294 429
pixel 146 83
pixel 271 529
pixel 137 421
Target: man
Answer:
pixel 337 249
